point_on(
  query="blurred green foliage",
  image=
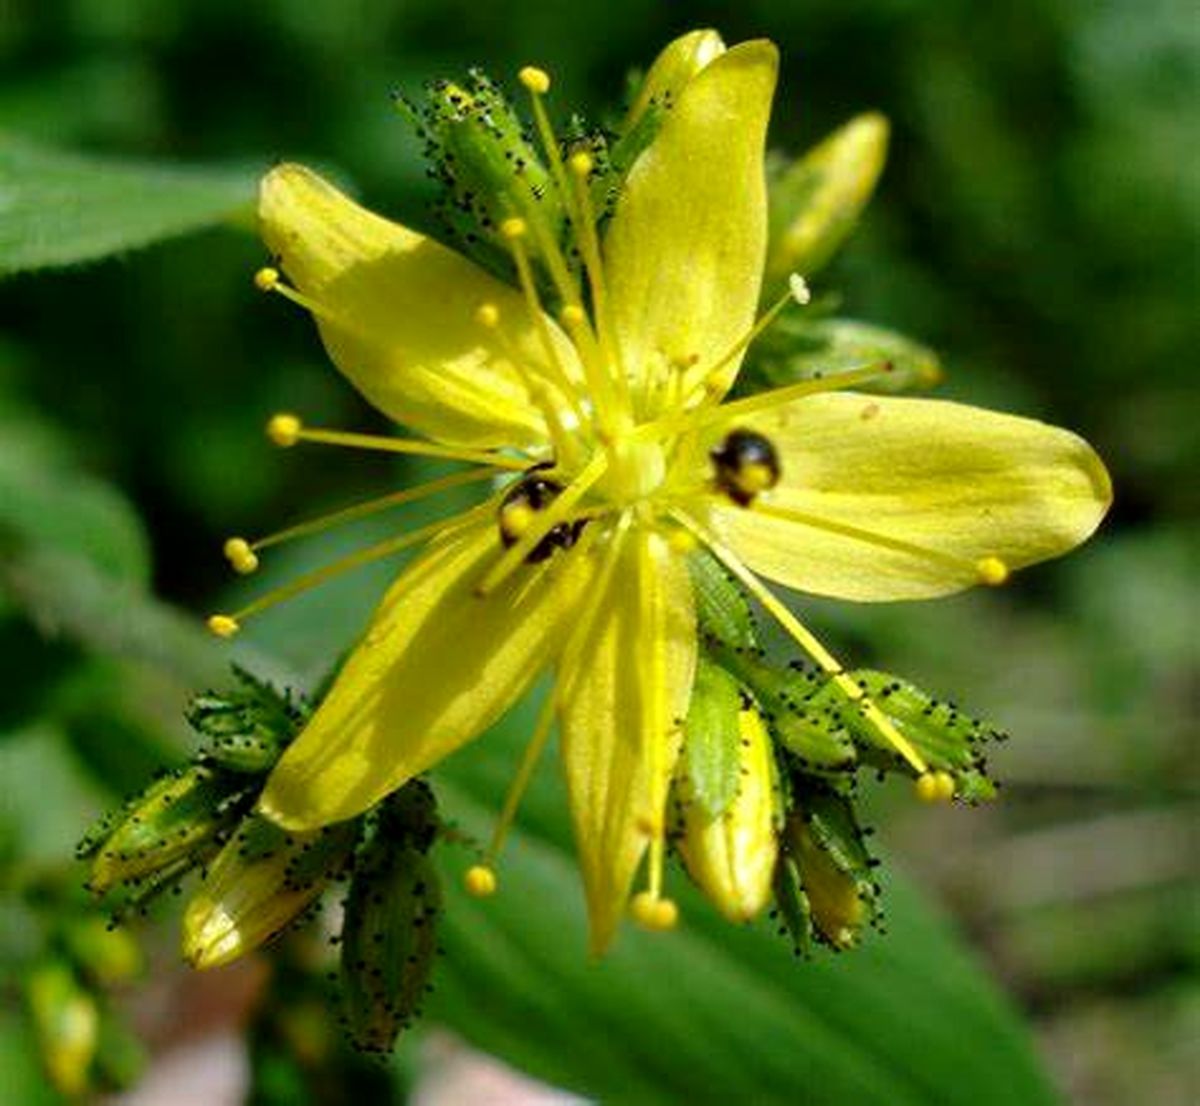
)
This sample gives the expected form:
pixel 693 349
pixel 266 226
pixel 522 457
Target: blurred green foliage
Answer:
pixel 1038 226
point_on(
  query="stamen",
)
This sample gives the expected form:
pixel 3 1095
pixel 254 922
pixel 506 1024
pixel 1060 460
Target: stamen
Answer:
pixel 653 913
pixel 535 79
pixel 707 377
pixel 226 625
pixel 740 408
pixel 513 230
pixel 989 570
pixel 935 787
pixel 286 430
pixel 241 553
pixel 654 722
pixel 480 881
pixel 545 521
pixel 270 280
pixel 807 641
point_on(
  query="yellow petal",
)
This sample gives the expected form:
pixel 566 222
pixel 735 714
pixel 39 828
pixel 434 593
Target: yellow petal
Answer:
pixel 684 254
pixel 732 856
pixel 677 63
pixel 436 667
pixel 398 315
pixel 624 700
pixel 928 489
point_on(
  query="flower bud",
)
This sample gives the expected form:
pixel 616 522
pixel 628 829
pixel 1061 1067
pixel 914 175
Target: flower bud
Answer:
pixel 817 201
pixel 263 878
pixel 67 1023
pixel 105 954
pixel 830 867
pixel 389 935
pixel 248 726
pixel 731 855
pixel 178 818
pixel 712 737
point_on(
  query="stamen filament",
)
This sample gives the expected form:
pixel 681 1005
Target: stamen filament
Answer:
pixel 988 570
pixel 270 280
pixel 706 377
pixel 408 446
pixel 807 641
pixel 313 579
pixel 654 710
pixel 516 789
pixel 739 408
pixel 373 506
pixel 543 522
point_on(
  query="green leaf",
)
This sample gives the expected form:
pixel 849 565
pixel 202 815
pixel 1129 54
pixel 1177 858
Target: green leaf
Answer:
pixel 713 1012
pixel 59 208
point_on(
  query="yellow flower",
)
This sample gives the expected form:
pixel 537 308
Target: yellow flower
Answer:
pixel 627 454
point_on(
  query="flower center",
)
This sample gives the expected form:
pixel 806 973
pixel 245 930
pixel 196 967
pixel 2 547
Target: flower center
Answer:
pixel 636 469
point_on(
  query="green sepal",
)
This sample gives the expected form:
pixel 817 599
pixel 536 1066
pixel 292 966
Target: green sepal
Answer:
pixel 816 201
pixel 170 821
pixel 711 735
pixel 948 739
pixel 722 613
pixel 791 903
pixel 247 727
pixel 801 347
pixel 834 826
pixel 389 938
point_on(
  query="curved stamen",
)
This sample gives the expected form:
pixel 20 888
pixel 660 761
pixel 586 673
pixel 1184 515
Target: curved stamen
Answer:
pixel 807 641
pixel 241 552
pixel 991 570
pixel 286 430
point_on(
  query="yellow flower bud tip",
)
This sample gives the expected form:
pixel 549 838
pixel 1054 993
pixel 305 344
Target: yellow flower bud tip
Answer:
pixel 513 228
pixel 480 881
pixel 284 430
pixel 239 554
pixel 222 625
pixel 488 314
pixel 266 279
pixel 572 315
pixel 581 163
pixel 652 913
pixel 800 290
pixel 992 571
pixel 535 79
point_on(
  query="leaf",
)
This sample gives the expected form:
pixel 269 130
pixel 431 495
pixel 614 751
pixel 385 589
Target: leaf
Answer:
pixel 713 1012
pixel 59 208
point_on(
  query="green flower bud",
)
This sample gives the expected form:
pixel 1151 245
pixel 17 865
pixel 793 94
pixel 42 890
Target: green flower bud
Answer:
pixel 66 1020
pixel 106 954
pixel 731 854
pixel 389 936
pixel 816 202
pixel 263 878
pixel 178 819
pixel 248 726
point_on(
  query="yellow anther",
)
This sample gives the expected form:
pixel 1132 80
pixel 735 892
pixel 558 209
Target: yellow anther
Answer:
pixel 535 79
pixel 935 787
pixel 756 477
pixel 581 163
pixel 798 286
pixel 992 571
pixel 241 556
pixel 480 881
pixel 681 541
pixel 222 625
pixel 284 430
pixel 515 519
pixel 513 228
pixel 573 315
pixel 266 279
pixel 653 913
pixel 488 314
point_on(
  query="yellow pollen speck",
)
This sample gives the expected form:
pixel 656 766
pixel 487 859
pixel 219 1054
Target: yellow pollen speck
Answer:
pixel 992 571
pixel 515 519
pixel 480 881
pixel 513 228
pixel 581 164
pixel 241 556
pixel 488 314
pixel 755 477
pixel 222 625
pixel 266 279
pixel 535 79
pixel 572 315
pixel 284 430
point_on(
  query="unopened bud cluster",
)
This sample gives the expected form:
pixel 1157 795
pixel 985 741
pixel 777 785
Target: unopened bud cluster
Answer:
pixel 764 794
pixel 257 880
